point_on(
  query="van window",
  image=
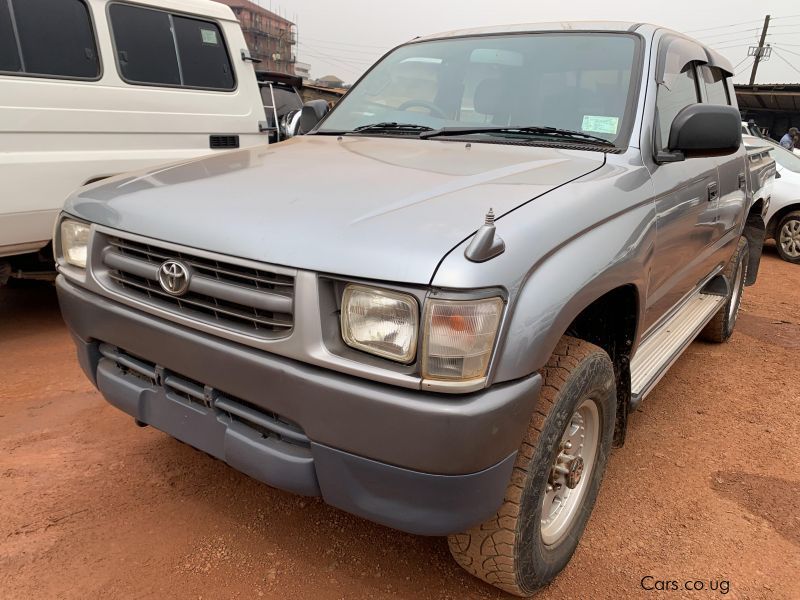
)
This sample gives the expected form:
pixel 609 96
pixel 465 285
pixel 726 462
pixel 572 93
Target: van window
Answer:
pixel 204 59
pixel 144 45
pixel 678 91
pixel 158 48
pixel 716 87
pixel 9 57
pixel 52 38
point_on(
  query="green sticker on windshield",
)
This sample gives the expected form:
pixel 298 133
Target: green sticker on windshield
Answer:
pixel 596 124
pixel 209 36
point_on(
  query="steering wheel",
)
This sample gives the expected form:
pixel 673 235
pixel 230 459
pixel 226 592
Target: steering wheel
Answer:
pixel 434 110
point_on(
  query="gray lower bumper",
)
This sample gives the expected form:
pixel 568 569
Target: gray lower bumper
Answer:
pixel 437 464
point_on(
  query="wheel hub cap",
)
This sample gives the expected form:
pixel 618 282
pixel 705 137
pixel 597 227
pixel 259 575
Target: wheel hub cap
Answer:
pixel 790 238
pixel 575 471
pixel 570 472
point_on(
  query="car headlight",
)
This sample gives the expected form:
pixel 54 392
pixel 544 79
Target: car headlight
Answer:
pixel 459 337
pixel 74 242
pixel 380 322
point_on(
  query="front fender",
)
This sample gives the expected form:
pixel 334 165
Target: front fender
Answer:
pixel 609 256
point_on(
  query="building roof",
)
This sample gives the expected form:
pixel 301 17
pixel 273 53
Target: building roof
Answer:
pixel 779 97
pixel 252 6
pixel 331 79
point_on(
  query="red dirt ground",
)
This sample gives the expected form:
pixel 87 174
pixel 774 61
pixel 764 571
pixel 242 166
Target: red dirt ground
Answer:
pixel 706 488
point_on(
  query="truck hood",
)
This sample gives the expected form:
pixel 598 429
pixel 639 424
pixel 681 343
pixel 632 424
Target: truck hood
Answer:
pixel 371 207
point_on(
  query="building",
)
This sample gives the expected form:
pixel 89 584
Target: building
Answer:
pixel 302 69
pixel 774 107
pixel 330 81
pixel 270 38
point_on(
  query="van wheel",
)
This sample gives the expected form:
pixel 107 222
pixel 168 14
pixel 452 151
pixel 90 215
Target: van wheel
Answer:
pixel 720 327
pixel 787 236
pixel 555 479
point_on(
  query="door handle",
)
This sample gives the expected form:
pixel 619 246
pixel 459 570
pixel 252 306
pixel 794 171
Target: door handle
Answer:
pixel 713 191
pixel 742 181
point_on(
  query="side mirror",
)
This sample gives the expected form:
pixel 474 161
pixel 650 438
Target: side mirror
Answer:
pixel 304 120
pixel 704 130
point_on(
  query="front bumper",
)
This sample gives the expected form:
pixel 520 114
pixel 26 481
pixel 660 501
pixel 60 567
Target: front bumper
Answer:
pixel 420 462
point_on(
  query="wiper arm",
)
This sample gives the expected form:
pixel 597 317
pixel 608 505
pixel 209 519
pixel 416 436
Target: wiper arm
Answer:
pixel 535 130
pixel 391 126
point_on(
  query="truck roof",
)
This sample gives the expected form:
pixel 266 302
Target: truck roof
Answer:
pixel 615 26
pixel 546 26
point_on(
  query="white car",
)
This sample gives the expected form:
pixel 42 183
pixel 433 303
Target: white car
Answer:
pixel 95 88
pixel 783 215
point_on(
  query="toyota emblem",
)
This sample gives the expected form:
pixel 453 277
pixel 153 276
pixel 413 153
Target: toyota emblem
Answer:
pixel 174 277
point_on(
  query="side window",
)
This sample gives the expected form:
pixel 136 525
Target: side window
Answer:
pixel 678 91
pixel 9 56
pixel 715 85
pixel 204 60
pixel 144 44
pixel 52 38
pixel 158 48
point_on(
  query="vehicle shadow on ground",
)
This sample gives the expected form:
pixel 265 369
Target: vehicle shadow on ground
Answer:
pixel 28 307
pixel 261 520
pixel 770 498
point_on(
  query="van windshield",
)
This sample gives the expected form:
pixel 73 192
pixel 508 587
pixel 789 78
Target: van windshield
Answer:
pixel 572 80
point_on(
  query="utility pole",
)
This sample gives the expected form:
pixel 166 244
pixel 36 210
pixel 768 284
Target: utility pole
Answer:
pixel 760 51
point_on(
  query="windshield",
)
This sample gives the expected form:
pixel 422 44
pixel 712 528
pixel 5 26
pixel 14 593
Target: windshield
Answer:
pixel 573 81
pixel 786 158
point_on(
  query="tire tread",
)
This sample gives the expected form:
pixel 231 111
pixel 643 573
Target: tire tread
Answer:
pixel 487 551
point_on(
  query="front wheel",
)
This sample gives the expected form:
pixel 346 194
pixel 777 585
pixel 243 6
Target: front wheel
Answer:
pixel 556 476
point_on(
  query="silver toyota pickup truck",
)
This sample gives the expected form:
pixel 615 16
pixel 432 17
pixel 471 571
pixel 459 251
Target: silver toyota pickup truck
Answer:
pixel 438 309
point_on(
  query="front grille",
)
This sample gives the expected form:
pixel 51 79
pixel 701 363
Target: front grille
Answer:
pixel 251 301
pixel 268 424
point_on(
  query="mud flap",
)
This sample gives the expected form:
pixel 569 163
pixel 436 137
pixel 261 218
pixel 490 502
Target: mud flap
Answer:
pixel 755 232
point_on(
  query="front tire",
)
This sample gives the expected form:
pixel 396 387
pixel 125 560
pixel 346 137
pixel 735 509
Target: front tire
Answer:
pixel 720 327
pixel 556 476
pixel 787 237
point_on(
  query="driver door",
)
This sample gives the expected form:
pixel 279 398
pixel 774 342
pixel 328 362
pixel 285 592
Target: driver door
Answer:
pixel 687 197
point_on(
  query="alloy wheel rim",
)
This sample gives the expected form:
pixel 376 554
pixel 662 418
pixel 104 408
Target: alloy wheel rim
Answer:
pixel 571 473
pixel 790 238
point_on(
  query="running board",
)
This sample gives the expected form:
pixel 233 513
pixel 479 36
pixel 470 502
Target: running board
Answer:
pixel 665 345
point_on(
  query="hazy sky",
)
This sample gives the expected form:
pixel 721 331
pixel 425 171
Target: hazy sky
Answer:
pixel 344 37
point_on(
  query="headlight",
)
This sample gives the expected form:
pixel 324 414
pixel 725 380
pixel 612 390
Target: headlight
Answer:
pixel 380 322
pixel 459 337
pixel 74 242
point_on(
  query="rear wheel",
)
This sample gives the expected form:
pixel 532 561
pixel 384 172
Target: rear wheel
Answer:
pixel 556 476
pixel 787 237
pixel 720 327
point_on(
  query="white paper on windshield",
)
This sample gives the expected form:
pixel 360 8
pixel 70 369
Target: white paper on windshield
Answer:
pixel 597 124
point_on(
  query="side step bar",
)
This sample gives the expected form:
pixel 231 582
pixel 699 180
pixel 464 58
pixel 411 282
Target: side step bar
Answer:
pixel 665 345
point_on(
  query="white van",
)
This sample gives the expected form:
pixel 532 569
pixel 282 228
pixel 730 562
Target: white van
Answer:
pixel 93 88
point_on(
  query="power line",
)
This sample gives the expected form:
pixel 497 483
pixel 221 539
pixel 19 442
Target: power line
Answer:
pixel 352 68
pixel 737 32
pixel 779 55
pixel 724 26
pixel 729 47
pixel 740 62
pixel 350 53
pixel 781 46
pixel 743 69
pixel 337 43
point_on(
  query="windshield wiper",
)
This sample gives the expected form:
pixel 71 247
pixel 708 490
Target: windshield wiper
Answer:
pixel 392 126
pixel 535 130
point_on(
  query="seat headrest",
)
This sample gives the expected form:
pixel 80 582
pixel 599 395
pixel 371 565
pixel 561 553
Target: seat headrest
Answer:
pixel 490 98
